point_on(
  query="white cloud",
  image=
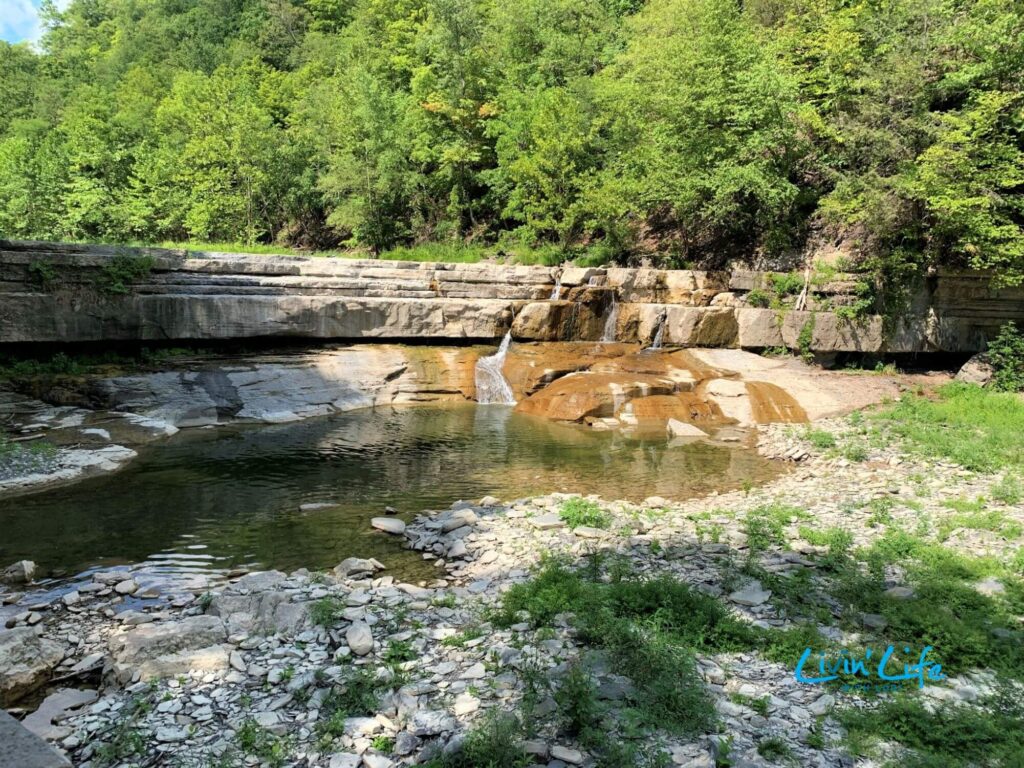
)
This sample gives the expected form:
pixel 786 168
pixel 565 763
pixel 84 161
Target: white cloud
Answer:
pixel 19 20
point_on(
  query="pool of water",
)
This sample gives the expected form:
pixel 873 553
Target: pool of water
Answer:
pixel 210 500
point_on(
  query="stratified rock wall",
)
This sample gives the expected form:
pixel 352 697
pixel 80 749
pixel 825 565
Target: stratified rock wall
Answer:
pixel 73 293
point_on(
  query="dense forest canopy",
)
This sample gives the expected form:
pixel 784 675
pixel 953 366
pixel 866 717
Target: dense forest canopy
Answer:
pixel 693 130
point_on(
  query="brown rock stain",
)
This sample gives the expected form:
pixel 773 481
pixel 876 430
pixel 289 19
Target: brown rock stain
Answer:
pixel 770 403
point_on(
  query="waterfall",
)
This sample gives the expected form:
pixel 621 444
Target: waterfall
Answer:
pixel 656 344
pixel 608 334
pixel 491 386
pixel 557 289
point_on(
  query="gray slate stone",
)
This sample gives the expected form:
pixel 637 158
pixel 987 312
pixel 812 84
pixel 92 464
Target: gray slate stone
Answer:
pixel 20 748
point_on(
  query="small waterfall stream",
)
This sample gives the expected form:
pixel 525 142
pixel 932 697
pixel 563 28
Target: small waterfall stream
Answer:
pixel 660 334
pixel 608 334
pixel 557 290
pixel 491 385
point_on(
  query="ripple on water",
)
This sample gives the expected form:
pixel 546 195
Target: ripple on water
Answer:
pixel 204 502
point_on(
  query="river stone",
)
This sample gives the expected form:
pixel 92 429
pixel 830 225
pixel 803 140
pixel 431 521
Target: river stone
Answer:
pixel 431 723
pixel 752 594
pixel 457 549
pixel 314 506
pixel 546 522
pixel 345 760
pixel 21 572
pixel 354 566
pixel 170 648
pixel 359 638
pixel 126 587
pixel 566 755
pixel 388 525
pixel 26 661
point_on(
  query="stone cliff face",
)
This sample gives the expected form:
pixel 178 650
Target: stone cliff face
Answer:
pixel 71 293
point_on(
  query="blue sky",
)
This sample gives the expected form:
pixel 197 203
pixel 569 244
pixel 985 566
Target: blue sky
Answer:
pixel 19 19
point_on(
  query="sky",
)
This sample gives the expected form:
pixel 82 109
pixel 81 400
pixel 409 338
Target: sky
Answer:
pixel 19 19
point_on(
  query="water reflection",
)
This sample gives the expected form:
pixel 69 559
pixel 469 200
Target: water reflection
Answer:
pixel 208 500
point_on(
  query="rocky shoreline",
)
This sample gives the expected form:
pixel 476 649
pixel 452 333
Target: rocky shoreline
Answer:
pixel 258 672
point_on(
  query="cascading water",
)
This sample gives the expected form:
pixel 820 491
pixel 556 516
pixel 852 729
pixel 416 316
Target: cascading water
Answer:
pixel 491 385
pixel 608 334
pixel 557 290
pixel 659 336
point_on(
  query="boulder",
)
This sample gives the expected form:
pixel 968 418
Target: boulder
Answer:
pixel 388 525
pixel 258 604
pixel 21 572
pixel 356 566
pixel 26 661
pixel 359 638
pixel 978 370
pixel 170 648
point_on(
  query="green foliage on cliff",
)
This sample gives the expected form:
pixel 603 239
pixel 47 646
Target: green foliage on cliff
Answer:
pixel 690 130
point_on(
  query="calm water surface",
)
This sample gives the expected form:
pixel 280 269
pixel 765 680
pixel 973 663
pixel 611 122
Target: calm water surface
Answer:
pixel 209 500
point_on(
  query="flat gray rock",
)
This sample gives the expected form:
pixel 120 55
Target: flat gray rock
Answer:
pixel 752 594
pixel 545 522
pixel 21 748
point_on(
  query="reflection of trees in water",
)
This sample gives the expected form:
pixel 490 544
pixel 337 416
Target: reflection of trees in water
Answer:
pixel 238 490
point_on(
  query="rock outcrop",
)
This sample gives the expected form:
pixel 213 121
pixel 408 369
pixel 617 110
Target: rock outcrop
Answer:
pixel 196 295
pixel 26 661
pixel 165 649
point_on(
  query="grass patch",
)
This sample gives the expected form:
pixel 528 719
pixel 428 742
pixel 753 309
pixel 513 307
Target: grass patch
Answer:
pixel 651 629
pixel 775 749
pixel 964 423
pixel 967 629
pixel 326 611
pixel 820 439
pixel 578 512
pixel 765 525
pixel 255 740
pixel 495 743
pixel 1008 490
pixel 979 519
pixel 123 271
pixel 950 736
pixel 357 696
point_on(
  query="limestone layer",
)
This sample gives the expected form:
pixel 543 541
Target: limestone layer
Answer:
pixel 74 293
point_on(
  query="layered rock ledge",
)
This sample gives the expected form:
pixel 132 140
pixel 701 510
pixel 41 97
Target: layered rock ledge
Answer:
pixel 77 293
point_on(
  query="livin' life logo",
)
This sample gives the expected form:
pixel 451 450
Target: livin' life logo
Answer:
pixel 880 676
